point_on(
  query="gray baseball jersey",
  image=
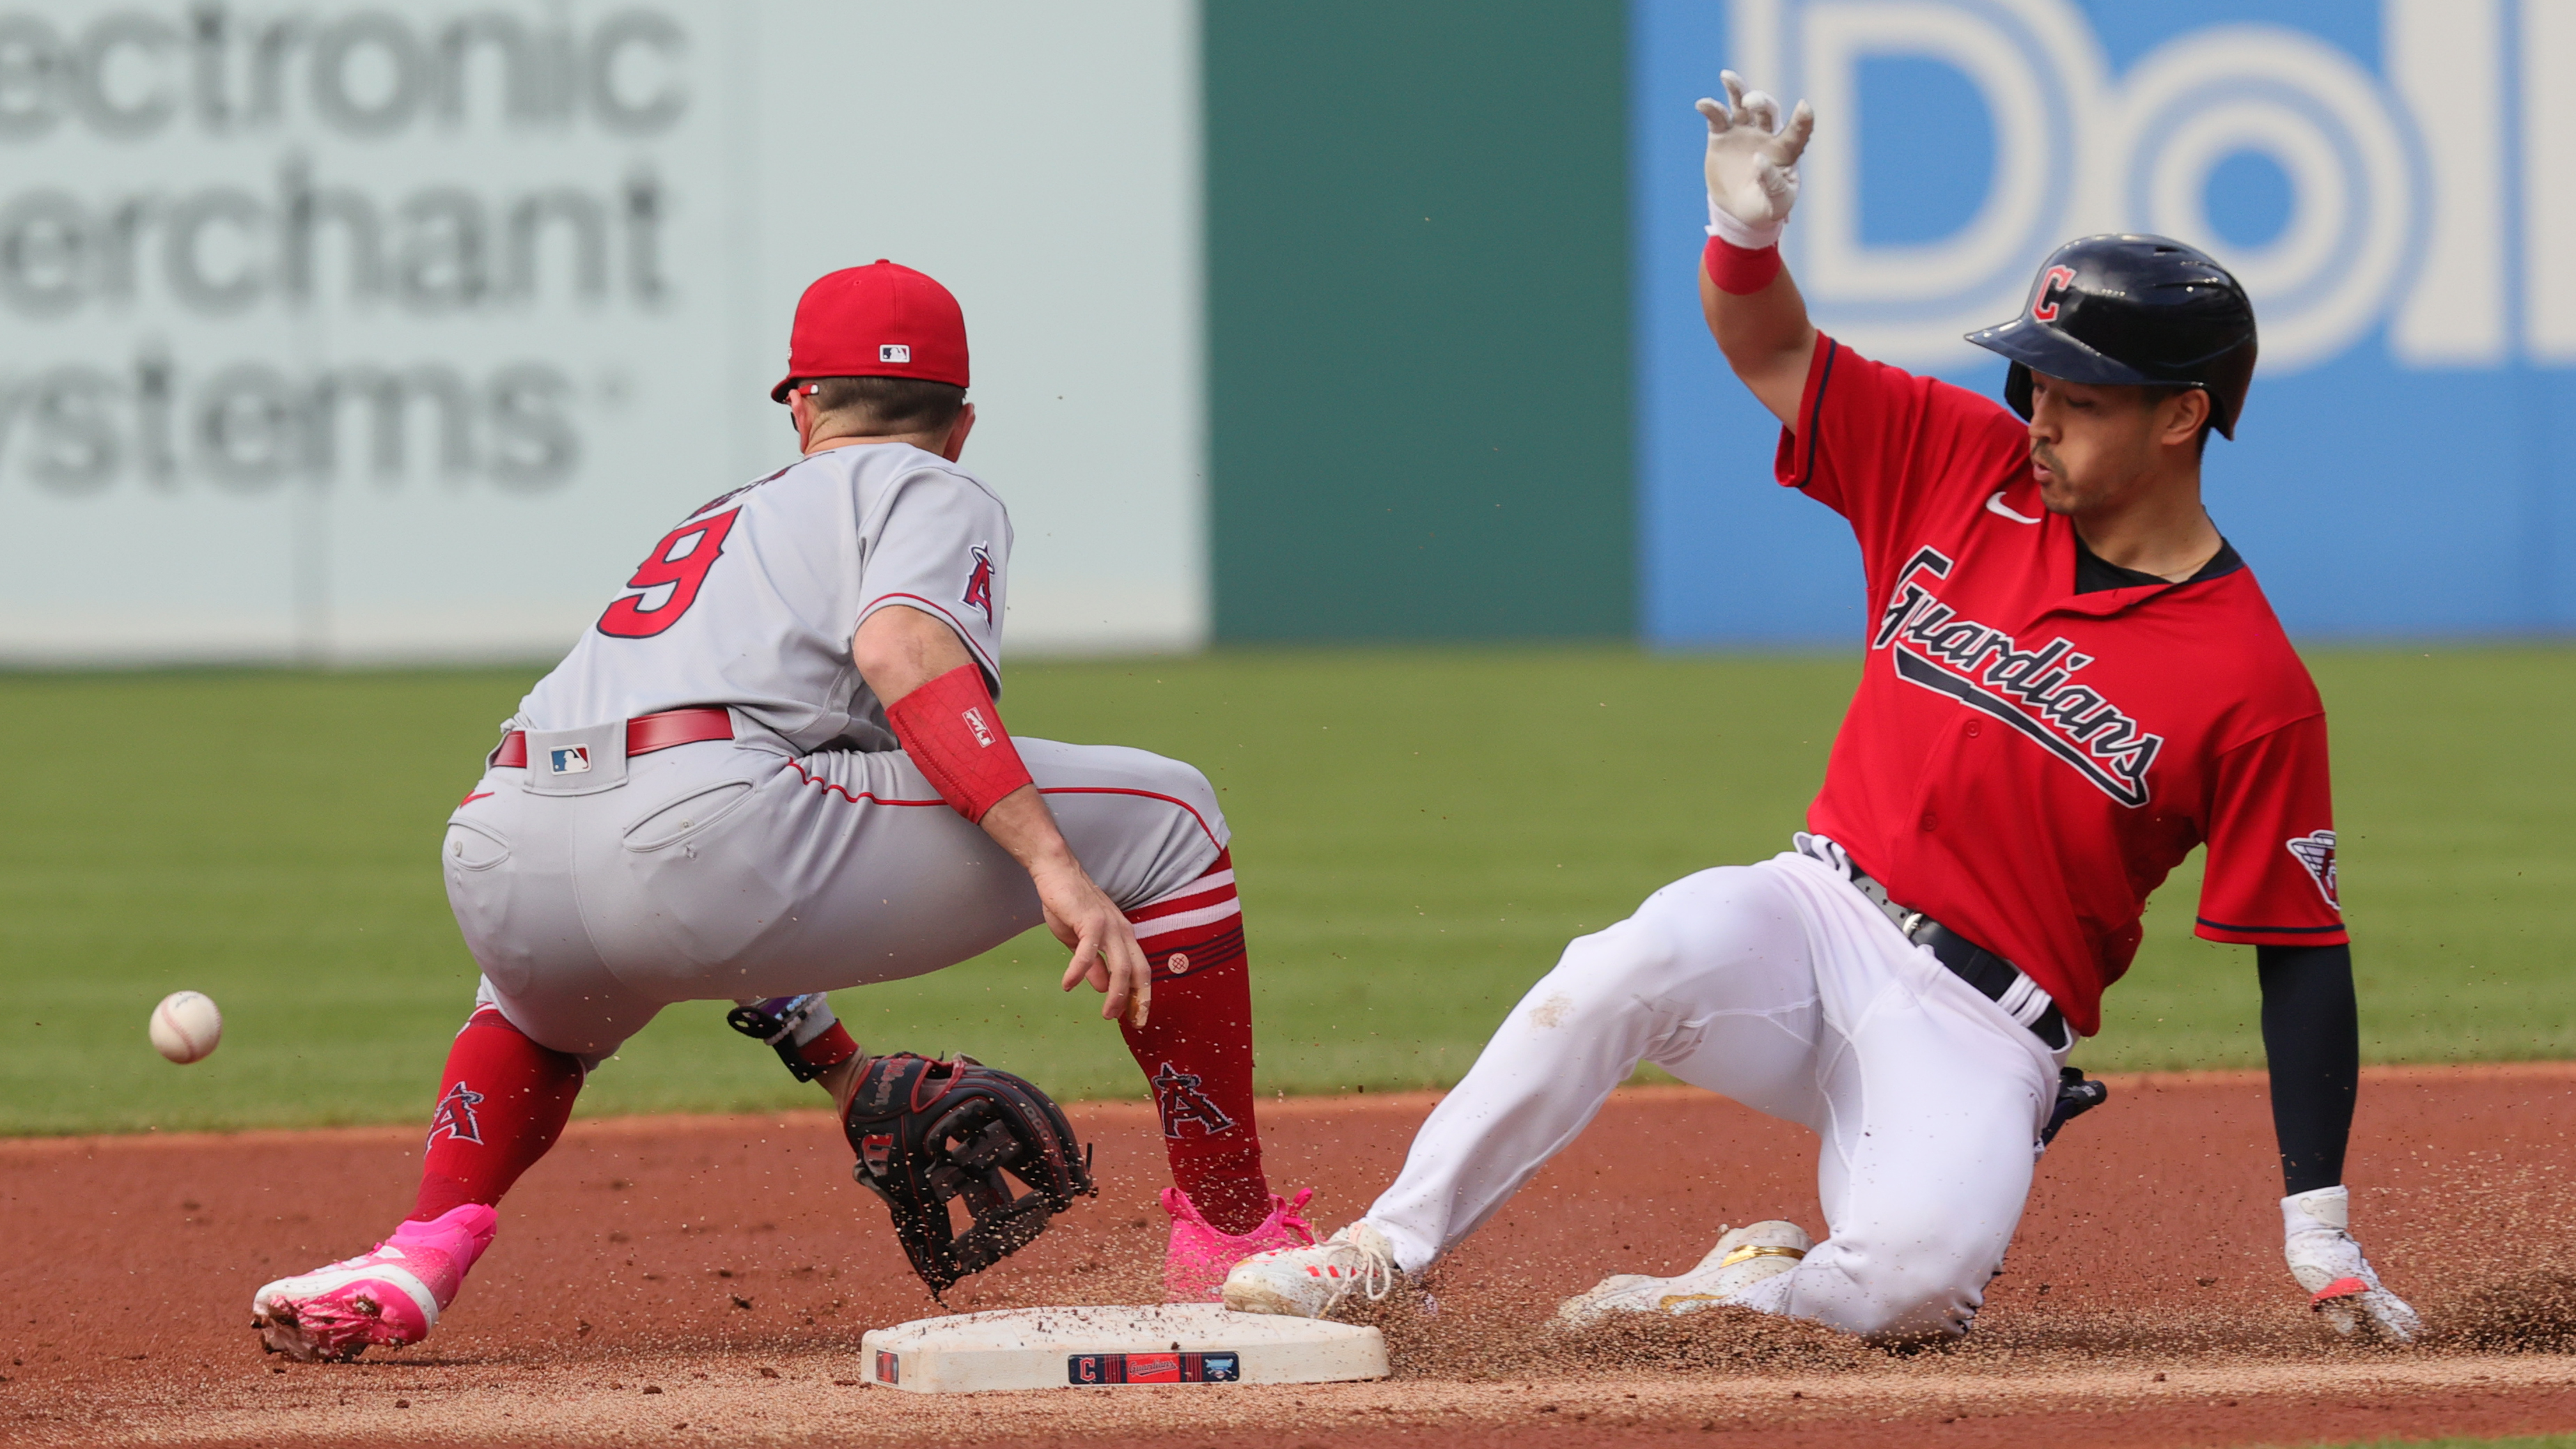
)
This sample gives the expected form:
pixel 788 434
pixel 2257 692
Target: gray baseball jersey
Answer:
pixel 752 601
pixel 812 854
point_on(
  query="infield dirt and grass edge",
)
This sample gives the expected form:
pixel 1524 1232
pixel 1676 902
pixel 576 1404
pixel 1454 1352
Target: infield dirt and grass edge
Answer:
pixel 1419 832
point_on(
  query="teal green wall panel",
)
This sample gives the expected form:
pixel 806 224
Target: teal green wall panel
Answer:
pixel 1418 363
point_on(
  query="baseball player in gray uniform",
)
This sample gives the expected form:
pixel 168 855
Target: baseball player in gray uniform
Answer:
pixel 775 767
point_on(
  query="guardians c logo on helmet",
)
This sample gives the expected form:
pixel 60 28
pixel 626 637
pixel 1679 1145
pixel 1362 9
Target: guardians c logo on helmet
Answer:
pixel 2043 308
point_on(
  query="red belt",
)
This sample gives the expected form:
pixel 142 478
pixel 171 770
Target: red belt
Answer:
pixel 644 734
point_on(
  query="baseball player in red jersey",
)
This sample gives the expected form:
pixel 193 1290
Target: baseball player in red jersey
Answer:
pixel 775 768
pixel 2071 680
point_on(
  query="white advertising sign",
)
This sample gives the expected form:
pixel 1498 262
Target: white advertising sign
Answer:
pixel 341 331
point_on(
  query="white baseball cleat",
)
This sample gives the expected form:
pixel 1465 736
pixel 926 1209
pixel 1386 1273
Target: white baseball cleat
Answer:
pixel 1742 1258
pixel 1310 1282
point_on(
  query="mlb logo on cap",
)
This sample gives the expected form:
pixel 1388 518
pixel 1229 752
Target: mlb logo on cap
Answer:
pixel 846 323
pixel 572 761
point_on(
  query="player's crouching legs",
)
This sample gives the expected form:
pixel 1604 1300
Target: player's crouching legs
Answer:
pixel 1149 831
pixel 1143 825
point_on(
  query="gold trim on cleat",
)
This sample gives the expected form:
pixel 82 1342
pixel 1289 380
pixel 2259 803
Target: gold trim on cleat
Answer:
pixel 1670 1301
pixel 1751 1251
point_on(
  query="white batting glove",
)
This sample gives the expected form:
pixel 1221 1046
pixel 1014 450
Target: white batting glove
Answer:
pixel 1752 164
pixel 2328 1263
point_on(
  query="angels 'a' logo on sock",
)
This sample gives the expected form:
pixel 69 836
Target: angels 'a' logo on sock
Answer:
pixel 1178 1098
pixel 455 1115
pixel 2315 851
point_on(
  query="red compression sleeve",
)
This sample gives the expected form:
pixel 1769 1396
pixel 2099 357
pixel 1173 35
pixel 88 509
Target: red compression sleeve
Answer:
pixel 1738 271
pixel 952 731
pixel 504 1102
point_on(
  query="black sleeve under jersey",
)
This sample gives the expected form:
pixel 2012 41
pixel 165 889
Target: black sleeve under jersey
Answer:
pixel 2312 1038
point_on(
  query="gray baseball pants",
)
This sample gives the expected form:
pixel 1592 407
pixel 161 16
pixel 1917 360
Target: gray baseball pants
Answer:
pixel 731 870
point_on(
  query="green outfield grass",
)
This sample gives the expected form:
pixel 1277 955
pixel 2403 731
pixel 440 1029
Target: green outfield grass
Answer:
pixel 1418 832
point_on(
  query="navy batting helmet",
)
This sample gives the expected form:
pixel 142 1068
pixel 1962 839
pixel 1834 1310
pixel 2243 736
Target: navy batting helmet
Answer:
pixel 2132 309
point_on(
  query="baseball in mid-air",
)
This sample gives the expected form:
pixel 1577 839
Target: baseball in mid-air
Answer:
pixel 186 1026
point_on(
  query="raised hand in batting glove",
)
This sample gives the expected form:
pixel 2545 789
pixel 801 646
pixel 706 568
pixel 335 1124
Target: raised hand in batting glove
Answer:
pixel 1752 163
pixel 2328 1263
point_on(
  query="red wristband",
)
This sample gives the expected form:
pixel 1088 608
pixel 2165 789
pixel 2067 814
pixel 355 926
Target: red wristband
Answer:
pixel 1738 271
pixel 952 731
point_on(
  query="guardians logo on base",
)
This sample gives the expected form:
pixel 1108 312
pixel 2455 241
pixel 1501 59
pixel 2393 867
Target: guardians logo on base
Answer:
pixel 1983 668
pixel 1151 1368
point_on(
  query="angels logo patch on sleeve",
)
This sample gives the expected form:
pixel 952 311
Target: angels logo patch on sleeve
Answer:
pixel 2316 853
pixel 979 582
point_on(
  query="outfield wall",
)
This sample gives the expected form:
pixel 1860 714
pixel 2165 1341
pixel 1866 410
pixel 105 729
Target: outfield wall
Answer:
pixel 2395 183
pixel 1417 253
pixel 360 330
pixel 393 328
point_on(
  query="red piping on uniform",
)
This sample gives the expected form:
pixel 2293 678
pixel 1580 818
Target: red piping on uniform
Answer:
pixel 1148 794
pixel 470 799
pixel 862 797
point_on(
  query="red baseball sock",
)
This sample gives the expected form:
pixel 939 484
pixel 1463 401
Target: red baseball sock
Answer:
pixel 504 1102
pixel 1196 1048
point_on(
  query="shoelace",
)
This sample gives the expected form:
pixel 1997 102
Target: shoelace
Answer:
pixel 1375 1278
pixel 1288 1214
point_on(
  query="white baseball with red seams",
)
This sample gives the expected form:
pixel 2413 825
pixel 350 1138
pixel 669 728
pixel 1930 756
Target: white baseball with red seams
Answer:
pixel 186 1027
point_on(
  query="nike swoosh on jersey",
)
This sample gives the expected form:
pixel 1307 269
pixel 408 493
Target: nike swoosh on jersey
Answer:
pixel 1996 505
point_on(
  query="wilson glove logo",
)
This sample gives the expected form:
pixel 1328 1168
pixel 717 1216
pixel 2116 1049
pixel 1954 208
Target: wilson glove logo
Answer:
pixel 2032 690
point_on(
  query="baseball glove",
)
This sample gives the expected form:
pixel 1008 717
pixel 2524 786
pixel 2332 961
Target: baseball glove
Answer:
pixel 929 1131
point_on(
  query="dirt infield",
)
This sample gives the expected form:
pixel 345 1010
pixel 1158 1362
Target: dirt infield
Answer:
pixel 701 1280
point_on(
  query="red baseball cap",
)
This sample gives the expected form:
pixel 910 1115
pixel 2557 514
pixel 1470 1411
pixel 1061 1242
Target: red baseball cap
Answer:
pixel 880 320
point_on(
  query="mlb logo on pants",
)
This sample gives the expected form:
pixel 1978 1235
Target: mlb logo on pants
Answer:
pixel 572 761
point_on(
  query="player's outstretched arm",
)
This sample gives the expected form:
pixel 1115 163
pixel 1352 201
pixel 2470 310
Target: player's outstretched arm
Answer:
pixel 950 729
pixel 2312 1039
pixel 1753 309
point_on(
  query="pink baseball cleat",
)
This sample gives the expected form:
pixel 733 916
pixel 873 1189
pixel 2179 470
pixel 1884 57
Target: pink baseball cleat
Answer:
pixel 391 1295
pixel 1201 1254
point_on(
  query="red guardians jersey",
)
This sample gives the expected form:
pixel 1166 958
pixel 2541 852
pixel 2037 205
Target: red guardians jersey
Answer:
pixel 2024 763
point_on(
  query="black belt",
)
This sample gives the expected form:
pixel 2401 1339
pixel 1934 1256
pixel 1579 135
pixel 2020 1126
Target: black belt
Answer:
pixel 1992 975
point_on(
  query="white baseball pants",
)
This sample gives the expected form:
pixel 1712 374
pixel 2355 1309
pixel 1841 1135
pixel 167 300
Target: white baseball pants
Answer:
pixel 1781 986
pixel 733 870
